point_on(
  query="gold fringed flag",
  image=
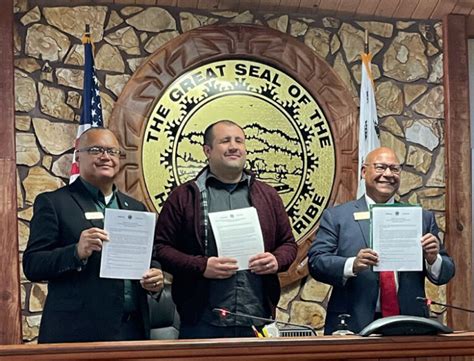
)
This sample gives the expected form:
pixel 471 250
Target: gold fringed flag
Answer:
pixel 368 122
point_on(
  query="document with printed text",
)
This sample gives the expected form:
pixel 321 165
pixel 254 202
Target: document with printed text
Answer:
pixel 396 232
pixel 128 253
pixel 238 234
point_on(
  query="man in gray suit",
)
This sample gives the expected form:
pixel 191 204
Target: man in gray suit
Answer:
pixel 340 255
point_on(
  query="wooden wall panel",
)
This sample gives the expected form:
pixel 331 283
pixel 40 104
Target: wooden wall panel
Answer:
pixel 348 7
pixel 146 2
pixel 443 7
pixel 269 5
pixel 208 4
pixel 166 2
pixel 188 4
pixel 464 7
pixel 225 4
pixel 288 6
pixel 248 4
pixel 404 9
pixel 425 8
pixel 309 6
pixel 367 7
pixel 10 325
pixel 328 7
pixel 398 9
pixel 386 8
pixel 458 169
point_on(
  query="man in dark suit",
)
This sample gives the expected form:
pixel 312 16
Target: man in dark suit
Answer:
pixel 66 236
pixel 340 256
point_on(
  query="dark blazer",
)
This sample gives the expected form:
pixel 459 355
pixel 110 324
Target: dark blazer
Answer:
pixel 80 306
pixel 339 237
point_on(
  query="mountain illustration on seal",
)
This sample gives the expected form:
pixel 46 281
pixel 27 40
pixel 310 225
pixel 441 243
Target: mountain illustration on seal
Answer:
pixel 274 155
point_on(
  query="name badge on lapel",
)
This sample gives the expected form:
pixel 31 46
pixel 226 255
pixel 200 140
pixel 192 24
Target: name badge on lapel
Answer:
pixel 93 215
pixel 361 216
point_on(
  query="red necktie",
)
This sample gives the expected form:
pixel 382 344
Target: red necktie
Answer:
pixel 388 294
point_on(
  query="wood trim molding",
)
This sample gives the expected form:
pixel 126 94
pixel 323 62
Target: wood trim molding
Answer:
pixel 10 321
pixel 421 348
pixel 458 238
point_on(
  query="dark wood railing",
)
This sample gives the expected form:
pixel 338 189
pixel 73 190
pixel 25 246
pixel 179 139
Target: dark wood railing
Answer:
pixel 457 346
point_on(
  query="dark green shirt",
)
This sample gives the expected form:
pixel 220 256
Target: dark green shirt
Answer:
pixel 242 292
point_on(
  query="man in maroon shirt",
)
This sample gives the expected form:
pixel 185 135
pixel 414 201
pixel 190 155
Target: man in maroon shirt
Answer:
pixel 185 243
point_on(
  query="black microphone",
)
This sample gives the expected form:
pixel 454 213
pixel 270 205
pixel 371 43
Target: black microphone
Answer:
pixel 224 313
pixel 429 302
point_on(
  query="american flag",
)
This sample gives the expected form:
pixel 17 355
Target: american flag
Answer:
pixel 91 115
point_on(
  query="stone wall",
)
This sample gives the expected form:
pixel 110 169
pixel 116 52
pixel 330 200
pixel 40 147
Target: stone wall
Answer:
pixel 408 69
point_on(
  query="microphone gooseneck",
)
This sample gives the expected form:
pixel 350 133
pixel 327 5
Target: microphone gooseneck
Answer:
pixel 223 313
pixel 428 302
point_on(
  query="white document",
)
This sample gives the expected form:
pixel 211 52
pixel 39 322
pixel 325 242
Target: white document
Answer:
pixel 396 237
pixel 128 253
pixel 238 234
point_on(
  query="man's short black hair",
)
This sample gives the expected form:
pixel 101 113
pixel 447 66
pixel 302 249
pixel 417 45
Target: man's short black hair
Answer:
pixel 208 136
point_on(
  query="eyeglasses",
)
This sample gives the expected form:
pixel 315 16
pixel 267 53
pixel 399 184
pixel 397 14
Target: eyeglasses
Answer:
pixel 380 168
pixel 98 150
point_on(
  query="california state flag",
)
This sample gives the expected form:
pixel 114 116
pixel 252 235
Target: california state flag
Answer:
pixel 368 123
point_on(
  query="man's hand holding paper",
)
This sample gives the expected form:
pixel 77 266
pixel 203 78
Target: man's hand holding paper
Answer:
pixel 238 235
pixel 221 267
pixel 122 258
pixel 90 241
pixel 396 232
pixel 263 264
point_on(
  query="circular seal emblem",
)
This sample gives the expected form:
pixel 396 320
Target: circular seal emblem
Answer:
pixel 289 141
pixel 298 115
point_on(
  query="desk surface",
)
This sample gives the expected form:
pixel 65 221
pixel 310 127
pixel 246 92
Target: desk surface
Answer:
pixel 438 348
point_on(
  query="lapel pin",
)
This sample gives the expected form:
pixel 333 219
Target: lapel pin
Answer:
pixel 126 203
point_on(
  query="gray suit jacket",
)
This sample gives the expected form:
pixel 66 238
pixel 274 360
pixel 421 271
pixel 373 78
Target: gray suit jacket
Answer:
pixel 339 237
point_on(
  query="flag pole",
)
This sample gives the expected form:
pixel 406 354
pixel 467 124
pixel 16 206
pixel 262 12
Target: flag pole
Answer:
pixel 366 41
